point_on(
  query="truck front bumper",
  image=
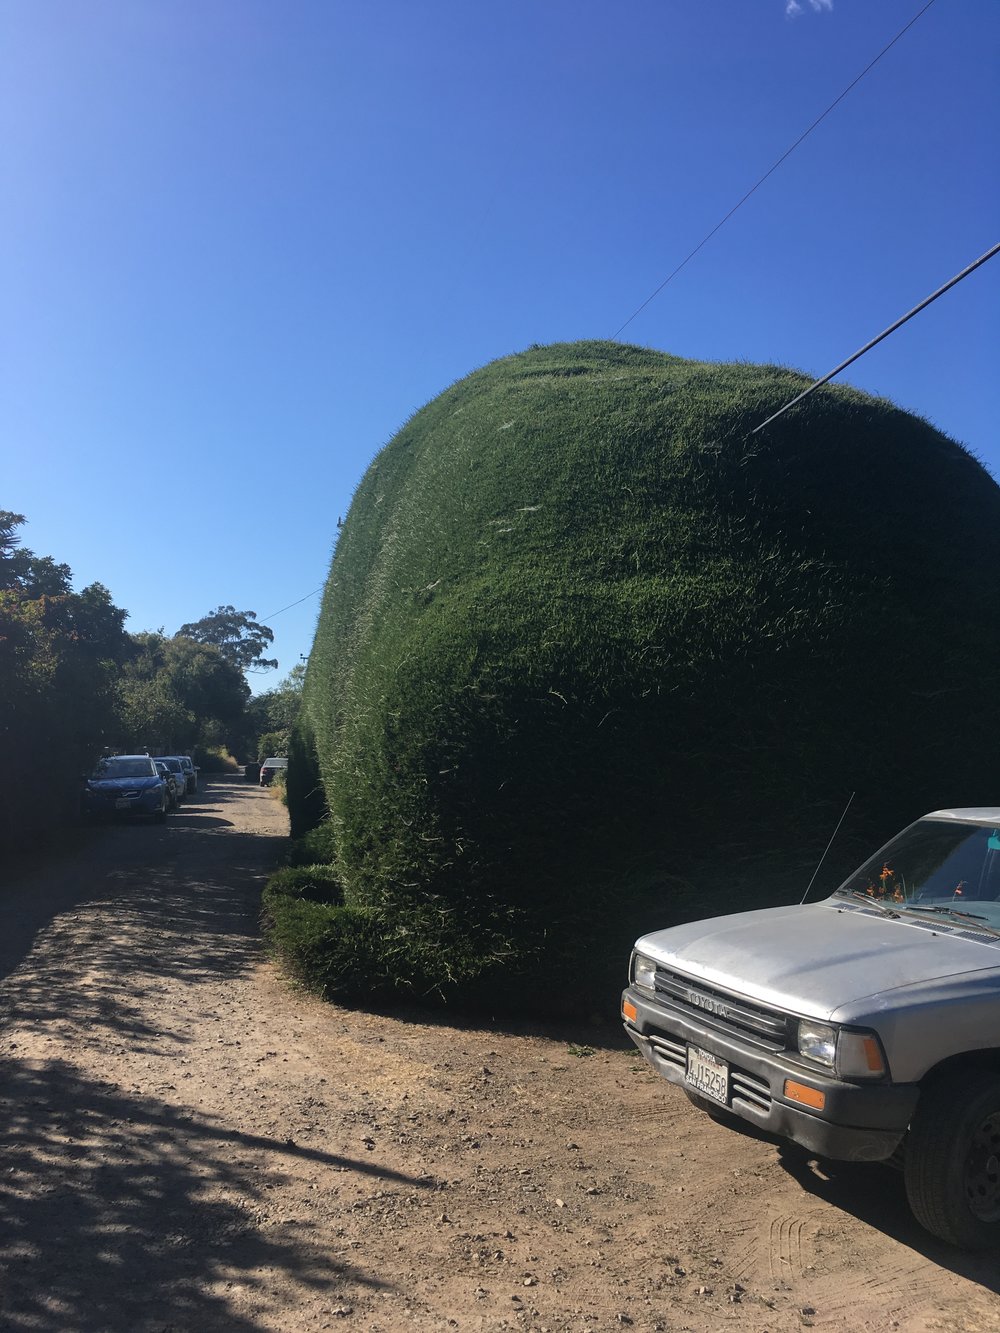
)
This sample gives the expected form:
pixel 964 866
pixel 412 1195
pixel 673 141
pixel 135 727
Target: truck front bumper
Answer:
pixel 858 1122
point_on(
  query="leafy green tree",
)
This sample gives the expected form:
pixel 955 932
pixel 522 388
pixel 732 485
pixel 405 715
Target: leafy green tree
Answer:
pixel 59 655
pixel 23 571
pixel 271 716
pixel 237 636
pixel 176 694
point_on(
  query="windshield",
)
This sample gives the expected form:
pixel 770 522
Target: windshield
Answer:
pixel 174 765
pixel 125 766
pixel 938 867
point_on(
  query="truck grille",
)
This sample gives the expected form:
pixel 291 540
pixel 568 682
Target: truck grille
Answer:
pixel 768 1028
pixel 743 1086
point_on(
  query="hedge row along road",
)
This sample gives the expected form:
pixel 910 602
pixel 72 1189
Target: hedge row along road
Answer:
pixel 190 1145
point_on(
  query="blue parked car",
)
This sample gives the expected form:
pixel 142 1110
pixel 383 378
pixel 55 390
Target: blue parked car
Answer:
pixel 126 784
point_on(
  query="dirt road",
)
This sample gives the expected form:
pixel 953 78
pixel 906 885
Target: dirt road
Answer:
pixel 186 1144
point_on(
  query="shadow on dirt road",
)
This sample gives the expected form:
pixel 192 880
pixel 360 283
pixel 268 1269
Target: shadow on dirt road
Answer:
pixel 875 1195
pixel 122 1212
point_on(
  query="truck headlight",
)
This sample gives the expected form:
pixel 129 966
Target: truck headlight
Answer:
pixel 644 972
pixel 850 1053
pixel 818 1041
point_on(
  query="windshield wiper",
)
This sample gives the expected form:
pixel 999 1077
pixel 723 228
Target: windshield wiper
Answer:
pixel 884 908
pixel 939 909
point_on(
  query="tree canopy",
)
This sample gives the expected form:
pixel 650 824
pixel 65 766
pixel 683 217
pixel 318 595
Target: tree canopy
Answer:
pixel 60 653
pixel 73 682
pixel 176 694
pixel 237 636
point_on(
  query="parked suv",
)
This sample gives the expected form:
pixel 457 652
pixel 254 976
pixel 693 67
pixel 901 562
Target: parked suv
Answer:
pixel 864 1027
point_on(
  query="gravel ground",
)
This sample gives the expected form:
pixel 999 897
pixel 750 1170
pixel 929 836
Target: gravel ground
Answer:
pixel 186 1143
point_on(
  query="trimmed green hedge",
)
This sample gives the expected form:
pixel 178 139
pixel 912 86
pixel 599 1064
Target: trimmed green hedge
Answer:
pixel 586 637
pixel 309 883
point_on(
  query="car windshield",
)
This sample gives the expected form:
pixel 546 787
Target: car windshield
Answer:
pixel 125 766
pixel 174 765
pixel 937 867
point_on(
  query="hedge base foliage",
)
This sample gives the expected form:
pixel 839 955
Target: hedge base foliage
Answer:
pixel 350 952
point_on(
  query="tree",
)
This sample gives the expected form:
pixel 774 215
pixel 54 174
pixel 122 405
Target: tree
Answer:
pixel 23 571
pixel 270 716
pixel 59 656
pixel 237 636
pixel 176 694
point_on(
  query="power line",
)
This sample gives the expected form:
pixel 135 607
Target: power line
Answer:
pixel 884 334
pixel 787 153
pixel 291 604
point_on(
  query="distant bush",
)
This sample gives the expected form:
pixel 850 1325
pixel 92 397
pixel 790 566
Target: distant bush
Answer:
pixel 586 638
pixel 272 743
pixel 215 759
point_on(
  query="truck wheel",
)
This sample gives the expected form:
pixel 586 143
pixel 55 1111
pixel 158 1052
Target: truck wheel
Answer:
pixel 952 1167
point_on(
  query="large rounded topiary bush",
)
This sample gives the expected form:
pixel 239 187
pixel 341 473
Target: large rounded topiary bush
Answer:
pixel 593 656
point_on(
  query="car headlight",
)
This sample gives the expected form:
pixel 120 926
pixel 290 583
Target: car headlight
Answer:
pixel 850 1053
pixel 643 972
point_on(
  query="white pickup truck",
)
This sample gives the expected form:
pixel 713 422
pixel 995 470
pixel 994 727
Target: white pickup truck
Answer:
pixel 863 1027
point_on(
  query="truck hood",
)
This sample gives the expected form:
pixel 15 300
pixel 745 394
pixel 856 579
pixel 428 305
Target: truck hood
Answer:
pixel 821 960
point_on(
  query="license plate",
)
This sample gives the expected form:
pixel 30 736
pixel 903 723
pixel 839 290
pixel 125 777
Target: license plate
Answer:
pixel 707 1075
pixel 123 803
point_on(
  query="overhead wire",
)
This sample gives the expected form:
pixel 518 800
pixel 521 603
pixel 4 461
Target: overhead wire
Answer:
pixel 291 604
pixel 971 268
pixel 771 170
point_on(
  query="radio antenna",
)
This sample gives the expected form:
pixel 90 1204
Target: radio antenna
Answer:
pixel 827 848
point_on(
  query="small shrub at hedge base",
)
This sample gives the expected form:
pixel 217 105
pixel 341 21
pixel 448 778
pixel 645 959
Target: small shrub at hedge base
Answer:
pixel 356 954
pixel 331 949
pixel 311 848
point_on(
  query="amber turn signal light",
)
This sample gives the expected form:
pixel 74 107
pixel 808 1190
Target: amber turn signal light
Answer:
pixel 798 1092
pixel 629 1011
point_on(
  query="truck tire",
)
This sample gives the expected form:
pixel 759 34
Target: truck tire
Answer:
pixel 952 1166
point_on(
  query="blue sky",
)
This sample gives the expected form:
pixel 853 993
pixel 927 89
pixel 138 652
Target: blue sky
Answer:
pixel 241 242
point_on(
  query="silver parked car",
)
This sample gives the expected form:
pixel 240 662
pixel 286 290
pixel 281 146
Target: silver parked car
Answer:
pixel 268 769
pixel 864 1027
pixel 175 770
pixel 188 768
pixel 191 772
